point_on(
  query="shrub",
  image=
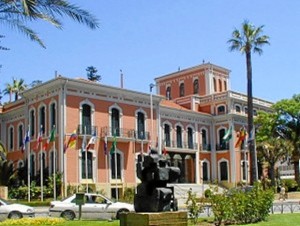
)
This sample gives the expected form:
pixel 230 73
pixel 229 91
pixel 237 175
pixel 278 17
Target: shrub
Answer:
pixel 194 208
pixel 128 195
pixel 242 206
pixel 290 184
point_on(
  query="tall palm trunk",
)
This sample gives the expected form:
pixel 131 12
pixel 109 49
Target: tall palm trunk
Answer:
pixel 253 168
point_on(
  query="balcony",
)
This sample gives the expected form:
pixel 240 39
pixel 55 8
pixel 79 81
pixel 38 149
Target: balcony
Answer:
pixel 124 133
pixel 206 147
pixel 181 145
pixel 222 146
pixel 86 130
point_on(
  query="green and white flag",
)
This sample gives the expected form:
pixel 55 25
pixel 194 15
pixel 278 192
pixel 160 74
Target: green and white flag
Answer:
pixel 228 134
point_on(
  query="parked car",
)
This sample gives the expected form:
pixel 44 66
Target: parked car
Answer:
pixel 95 206
pixel 14 211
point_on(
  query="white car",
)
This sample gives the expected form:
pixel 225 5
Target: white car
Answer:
pixel 96 206
pixel 14 211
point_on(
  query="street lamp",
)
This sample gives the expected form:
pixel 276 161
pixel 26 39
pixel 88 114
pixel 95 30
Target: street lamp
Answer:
pixel 151 112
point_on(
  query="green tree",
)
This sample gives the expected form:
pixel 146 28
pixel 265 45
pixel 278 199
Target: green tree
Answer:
pixel 35 83
pixel 289 110
pixel 15 14
pixel 249 39
pixel 92 74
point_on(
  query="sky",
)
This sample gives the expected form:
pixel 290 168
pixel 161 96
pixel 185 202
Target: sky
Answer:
pixel 150 38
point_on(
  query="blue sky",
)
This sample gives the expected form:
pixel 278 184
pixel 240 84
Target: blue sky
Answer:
pixel 147 39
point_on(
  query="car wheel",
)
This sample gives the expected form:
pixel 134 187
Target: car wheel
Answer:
pixel 121 211
pixel 15 215
pixel 68 215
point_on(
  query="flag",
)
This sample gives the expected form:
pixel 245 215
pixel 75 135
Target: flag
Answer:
pixel 114 145
pixel 228 135
pixel 39 138
pixel 25 141
pixel 72 141
pixel 241 137
pixel 51 138
pixel 164 151
pixel 105 145
pixel 91 141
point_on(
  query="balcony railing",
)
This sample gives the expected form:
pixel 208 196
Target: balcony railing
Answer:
pixel 206 147
pixel 124 133
pixel 87 130
pixel 181 145
pixel 222 146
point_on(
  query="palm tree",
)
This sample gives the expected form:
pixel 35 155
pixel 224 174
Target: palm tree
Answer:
pixel 18 86
pixel 246 41
pixel 8 90
pixel 15 14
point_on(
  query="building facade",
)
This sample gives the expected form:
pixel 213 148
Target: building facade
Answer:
pixel 185 120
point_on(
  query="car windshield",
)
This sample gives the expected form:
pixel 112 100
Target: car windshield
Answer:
pixel 5 202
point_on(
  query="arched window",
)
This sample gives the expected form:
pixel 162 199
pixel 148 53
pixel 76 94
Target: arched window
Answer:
pixel 115 122
pixel 222 144
pixel 32 123
pixel 20 136
pixel 220 85
pixel 196 86
pixel 42 117
pixel 11 138
pixel 225 85
pixel 167 135
pixel 53 116
pixel 87 165
pixel 168 93
pixel 179 136
pixel 32 165
pixel 205 171
pixel 237 109
pixel 204 139
pixel 254 112
pixel 223 171
pixel 246 110
pixel 215 85
pixel 221 110
pixel 86 119
pixel 51 163
pixel 141 125
pixel 190 138
pixel 116 165
pixel 181 90
pixel 42 156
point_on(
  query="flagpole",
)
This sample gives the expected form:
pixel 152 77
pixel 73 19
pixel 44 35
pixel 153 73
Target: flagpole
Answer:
pixel 86 166
pixel 54 168
pixel 116 175
pixel 106 156
pixel 42 174
pixel 28 166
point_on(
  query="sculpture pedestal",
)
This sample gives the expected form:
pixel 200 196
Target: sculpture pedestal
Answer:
pixel 179 218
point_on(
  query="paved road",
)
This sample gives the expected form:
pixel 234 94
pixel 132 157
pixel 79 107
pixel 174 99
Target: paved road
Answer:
pixel 279 206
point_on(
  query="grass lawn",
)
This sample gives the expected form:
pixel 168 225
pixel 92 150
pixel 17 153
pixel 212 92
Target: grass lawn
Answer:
pixel 273 220
pixel 292 219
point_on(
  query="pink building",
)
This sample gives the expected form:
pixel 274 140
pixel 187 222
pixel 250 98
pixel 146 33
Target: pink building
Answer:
pixel 185 120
